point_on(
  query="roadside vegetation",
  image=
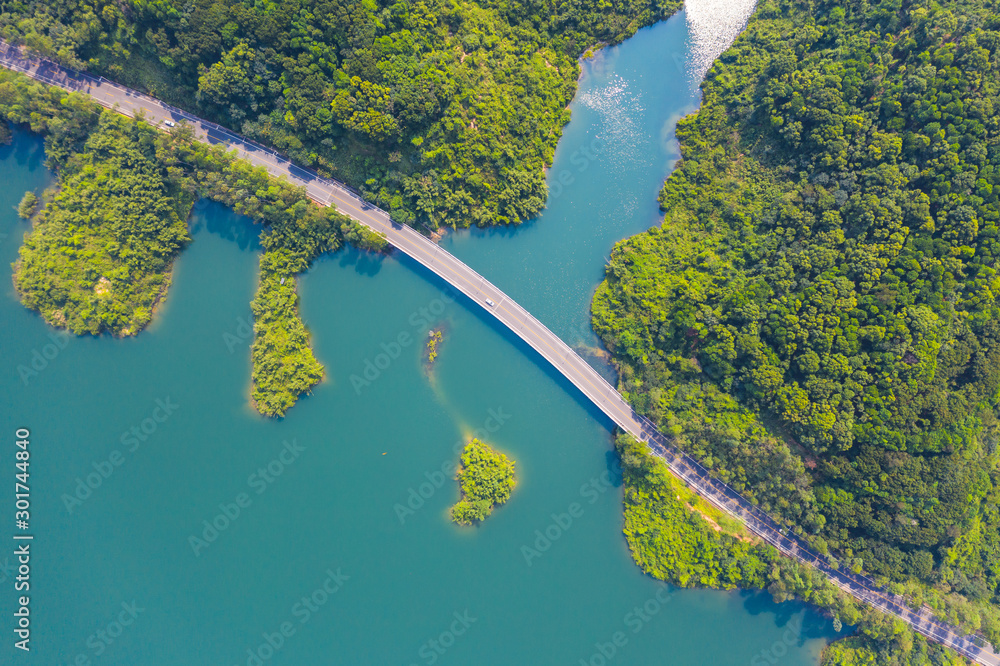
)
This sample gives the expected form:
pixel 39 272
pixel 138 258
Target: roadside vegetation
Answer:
pixel 816 319
pixel 441 112
pixel 362 237
pixel 486 479
pixel 677 537
pixel 98 257
pixel 295 232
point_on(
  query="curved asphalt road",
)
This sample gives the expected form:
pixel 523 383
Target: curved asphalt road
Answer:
pixel 332 193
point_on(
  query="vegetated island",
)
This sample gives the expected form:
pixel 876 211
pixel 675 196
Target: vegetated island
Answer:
pixel 816 318
pixel 486 479
pixel 435 338
pixel 99 255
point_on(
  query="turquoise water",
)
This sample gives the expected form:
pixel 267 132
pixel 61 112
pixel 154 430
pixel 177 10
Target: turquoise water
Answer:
pixel 609 167
pixel 345 543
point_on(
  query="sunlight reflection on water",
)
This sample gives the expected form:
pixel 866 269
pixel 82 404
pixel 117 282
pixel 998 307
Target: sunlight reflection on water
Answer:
pixel 713 26
pixel 623 140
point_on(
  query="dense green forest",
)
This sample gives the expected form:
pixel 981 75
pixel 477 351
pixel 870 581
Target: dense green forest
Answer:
pixel 816 318
pixel 283 364
pixel 98 256
pixel 678 537
pixel 441 111
pixel 486 479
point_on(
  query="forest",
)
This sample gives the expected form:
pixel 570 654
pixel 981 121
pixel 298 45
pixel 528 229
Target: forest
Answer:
pixel 816 317
pixel 815 320
pixel 99 253
pixel 678 537
pixel 444 112
pixel 99 256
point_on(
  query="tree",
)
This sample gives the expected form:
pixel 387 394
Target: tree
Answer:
pixel 28 205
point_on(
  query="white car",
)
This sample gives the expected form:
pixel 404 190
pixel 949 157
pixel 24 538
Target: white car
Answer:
pixel 169 123
pixel 490 303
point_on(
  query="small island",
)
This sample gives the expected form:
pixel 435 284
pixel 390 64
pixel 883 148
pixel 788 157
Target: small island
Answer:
pixel 486 479
pixel 434 338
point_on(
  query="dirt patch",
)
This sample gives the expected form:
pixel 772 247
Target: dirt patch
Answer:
pixel 103 287
pixel 708 519
pixel 714 525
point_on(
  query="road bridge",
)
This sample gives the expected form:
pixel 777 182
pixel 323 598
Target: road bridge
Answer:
pixel 328 192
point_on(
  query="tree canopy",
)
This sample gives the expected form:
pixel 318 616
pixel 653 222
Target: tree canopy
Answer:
pixel 817 316
pixel 442 111
pixel 486 479
pixel 679 537
pixel 98 257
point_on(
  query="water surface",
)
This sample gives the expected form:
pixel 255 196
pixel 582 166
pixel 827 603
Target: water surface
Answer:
pixel 346 538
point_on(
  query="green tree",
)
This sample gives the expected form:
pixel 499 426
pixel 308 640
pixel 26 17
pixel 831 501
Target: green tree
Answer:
pixel 486 478
pixel 28 205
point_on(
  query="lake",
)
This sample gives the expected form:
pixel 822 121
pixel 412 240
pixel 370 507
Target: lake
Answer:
pixel 173 525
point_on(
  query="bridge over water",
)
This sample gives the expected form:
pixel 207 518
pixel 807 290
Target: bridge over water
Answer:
pixel 328 192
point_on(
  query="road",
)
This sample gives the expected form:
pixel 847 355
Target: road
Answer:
pixel 328 192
